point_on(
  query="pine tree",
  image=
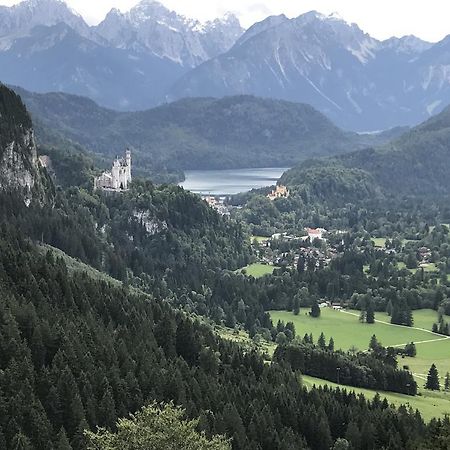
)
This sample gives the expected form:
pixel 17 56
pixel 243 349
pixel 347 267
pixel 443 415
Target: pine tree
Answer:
pixel 296 307
pixel 374 344
pixel 331 345
pixel 21 442
pixel 321 342
pixel 362 316
pixel 315 309
pixel 62 443
pixel 370 313
pixel 433 379
pixel 447 382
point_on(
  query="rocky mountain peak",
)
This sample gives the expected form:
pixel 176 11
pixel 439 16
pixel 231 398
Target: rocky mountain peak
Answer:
pixel 407 44
pixel 18 20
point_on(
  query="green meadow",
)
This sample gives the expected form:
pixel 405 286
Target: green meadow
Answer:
pixel 348 333
pixel 257 270
pixel 430 404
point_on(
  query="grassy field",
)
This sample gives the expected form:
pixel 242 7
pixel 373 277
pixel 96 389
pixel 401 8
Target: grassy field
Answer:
pixel 430 267
pixel 259 239
pixel 430 404
pixel 348 332
pixel 257 270
pixel 379 242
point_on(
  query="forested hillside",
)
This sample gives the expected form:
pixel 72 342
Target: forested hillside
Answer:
pixel 78 351
pixel 202 133
pixel 415 163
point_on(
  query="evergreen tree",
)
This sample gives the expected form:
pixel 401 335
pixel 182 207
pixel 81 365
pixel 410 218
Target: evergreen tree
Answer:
pixel 447 382
pixel 433 379
pixel 370 313
pixel 296 306
pixel 321 341
pixel 362 316
pixel 315 309
pixel 62 443
pixel 374 345
pixel 331 345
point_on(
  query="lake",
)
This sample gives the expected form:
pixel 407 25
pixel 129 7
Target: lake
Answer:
pixel 230 181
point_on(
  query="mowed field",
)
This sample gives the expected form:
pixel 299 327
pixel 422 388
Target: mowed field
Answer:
pixel 430 404
pixel 257 270
pixel 348 332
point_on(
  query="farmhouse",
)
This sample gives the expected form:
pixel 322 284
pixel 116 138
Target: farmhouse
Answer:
pixel 315 233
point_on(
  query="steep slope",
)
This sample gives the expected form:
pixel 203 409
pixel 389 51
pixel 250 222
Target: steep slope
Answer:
pixel 417 163
pixel 357 81
pixel 203 133
pixel 20 167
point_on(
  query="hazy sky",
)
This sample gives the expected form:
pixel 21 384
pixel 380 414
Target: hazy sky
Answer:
pixel 428 19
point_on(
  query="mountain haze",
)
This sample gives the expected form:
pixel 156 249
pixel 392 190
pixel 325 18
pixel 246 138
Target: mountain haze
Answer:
pixel 201 133
pixel 127 62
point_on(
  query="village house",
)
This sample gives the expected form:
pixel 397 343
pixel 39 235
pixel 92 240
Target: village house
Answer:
pixel 315 233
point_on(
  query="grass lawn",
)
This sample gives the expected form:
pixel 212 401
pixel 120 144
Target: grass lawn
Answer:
pixel 259 239
pixel 379 242
pixel 258 270
pixel 430 267
pixel 430 404
pixel 347 332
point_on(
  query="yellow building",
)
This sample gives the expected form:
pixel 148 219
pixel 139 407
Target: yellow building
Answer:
pixel 279 192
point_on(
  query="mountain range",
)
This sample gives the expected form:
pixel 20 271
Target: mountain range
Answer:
pixel 127 62
pixel 151 55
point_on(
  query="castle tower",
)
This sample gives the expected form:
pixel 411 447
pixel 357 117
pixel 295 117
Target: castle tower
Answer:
pixel 115 172
pixel 128 164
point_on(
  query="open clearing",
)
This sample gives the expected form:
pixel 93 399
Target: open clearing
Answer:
pixel 430 404
pixel 348 332
pixel 259 239
pixel 257 270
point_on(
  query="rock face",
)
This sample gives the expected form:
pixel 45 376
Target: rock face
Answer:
pixel 20 167
pixel 151 28
pixel 18 20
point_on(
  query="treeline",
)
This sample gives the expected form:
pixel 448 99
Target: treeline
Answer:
pixel 366 370
pixel 77 352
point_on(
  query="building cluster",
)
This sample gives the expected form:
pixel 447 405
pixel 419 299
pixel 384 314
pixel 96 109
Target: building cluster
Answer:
pixel 286 250
pixel 217 203
pixel 279 192
pixel 119 178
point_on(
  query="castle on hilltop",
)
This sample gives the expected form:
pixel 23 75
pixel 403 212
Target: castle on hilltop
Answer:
pixel 120 176
pixel 279 192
